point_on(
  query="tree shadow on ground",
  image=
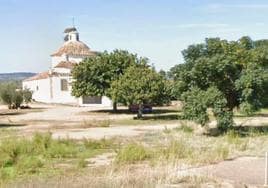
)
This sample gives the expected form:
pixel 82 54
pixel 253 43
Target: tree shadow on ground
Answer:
pixel 160 117
pixel 20 111
pixel 250 130
pixel 8 125
pixel 10 113
pixel 254 115
pixel 126 111
pixel 242 131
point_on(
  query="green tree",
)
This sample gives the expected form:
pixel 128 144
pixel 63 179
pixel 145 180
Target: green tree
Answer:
pixel 93 76
pixel 141 85
pixel 27 95
pixel 234 69
pixel 13 96
pixel 7 92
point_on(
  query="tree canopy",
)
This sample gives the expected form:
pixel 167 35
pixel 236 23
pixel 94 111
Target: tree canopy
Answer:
pixel 94 75
pixel 236 71
pixel 141 85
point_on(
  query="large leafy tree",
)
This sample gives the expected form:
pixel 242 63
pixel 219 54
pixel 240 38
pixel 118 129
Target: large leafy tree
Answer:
pixel 93 76
pixel 234 69
pixel 141 85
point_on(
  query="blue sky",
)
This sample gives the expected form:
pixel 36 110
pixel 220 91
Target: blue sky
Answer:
pixel 158 29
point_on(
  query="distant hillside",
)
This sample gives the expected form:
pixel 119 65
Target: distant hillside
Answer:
pixel 17 76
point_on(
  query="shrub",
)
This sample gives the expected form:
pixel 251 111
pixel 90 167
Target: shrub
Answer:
pixel 7 94
pixel 27 95
pixel 197 102
pixel 14 97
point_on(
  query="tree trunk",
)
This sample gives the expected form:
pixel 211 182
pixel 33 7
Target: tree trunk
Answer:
pixel 115 106
pixel 139 115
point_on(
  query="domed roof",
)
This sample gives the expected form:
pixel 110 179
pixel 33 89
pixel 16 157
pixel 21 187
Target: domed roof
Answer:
pixel 70 29
pixel 74 48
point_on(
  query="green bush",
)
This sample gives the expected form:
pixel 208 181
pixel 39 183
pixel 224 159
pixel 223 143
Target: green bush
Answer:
pixel 14 97
pixel 196 105
pixel 27 95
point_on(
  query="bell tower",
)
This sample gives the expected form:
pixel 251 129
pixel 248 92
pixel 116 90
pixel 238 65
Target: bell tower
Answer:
pixel 71 34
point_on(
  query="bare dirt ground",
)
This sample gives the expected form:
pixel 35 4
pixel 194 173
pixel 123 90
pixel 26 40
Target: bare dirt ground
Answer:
pixel 71 122
pixel 243 170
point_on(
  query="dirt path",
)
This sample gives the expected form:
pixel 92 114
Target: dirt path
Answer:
pixel 64 113
pixel 71 122
pixel 109 132
pixel 243 170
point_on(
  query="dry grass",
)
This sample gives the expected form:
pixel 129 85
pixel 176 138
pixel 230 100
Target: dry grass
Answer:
pixel 124 176
pixel 150 160
pixel 95 123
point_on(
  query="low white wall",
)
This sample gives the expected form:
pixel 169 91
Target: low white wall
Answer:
pixel 40 89
pixel 105 102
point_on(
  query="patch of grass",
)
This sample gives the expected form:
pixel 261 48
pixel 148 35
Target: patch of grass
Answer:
pixel 175 149
pixel 132 153
pixel 233 137
pixel 184 128
pixel 82 163
pixel 132 121
pixel 21 157
pixel 166 130
pixel 98 144
pixel 194 181
pixel 90 124
pixel 221 152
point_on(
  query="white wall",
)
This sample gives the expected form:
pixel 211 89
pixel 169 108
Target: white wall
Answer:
pixel 105 102
pixel 60 96
pixel 40 89
pixel 43 93
pixel 62 70
pixel 76 59
pixel 57 59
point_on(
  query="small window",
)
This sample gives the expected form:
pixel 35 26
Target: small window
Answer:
pixel 37 88
pixel 64 85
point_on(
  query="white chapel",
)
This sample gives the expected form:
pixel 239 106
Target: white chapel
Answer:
pixel 55 85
